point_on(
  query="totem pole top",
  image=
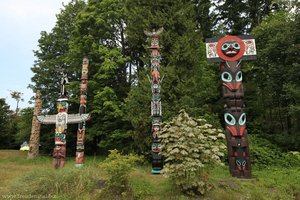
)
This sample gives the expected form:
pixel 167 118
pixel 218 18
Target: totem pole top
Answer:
pixel 154 33
pixel 230 48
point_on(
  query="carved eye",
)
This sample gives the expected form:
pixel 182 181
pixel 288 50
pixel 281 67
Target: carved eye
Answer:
pixel 239 77
pixel 229 119
pixel 225 46
pixel 226 77
pixel 236 45
pixel 244 163
pixel 242 119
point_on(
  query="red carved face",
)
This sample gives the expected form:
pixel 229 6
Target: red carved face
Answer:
pixel 232 80
pixel 235 123
pixel 230 48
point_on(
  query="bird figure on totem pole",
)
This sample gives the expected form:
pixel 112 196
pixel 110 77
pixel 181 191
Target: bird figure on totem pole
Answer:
pixel 229 51
pixel 61 119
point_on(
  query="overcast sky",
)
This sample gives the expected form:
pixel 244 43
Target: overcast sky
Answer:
pixel 21 23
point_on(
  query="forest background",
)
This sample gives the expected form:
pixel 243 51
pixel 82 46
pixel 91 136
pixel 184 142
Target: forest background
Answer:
pixel 111 34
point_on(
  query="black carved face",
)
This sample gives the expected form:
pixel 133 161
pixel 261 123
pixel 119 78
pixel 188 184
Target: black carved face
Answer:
pixel 231 48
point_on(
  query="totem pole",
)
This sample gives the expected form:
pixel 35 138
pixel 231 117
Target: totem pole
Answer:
pixel 79 160
pixel 230 51
pixel 61 120
pixel 156 114
pixel 35 128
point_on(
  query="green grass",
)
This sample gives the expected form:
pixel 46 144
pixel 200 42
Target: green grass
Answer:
pixel 37 177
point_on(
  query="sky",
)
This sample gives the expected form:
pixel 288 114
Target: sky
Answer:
pixel 21 23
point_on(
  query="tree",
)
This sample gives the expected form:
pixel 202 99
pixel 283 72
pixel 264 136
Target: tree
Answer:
pixel 189 81
pixel 18 97
pixel 240 17
pixel 100 34
pixel 52 57
pixel 273 78
pixel 204 17
pixel 24 125
pixel 6 136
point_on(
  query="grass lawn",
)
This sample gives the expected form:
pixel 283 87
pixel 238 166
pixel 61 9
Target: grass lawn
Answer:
pixel 35 177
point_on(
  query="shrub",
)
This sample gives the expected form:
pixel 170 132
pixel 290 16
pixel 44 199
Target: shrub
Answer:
pixel 118 168
pixel 188 145
pixel 265 154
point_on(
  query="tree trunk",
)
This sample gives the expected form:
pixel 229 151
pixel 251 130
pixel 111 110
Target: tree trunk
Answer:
pixel 35 130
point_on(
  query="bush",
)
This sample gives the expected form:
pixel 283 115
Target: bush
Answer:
pixel 188 145
pixel 118 168
pixel 265 154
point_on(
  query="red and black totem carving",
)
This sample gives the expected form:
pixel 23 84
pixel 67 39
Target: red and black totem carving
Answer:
pixel 230 51
pixel 79 160
pixel 156 114
pixel 61 119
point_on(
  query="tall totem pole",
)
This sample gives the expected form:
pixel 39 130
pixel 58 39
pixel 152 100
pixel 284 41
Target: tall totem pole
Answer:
pixel 156 114
pixel 230 51
pixel 79 160
pixel 61 119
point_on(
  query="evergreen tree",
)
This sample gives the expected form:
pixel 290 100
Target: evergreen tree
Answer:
pixel 188 79
pixel 52 55
pixel 273 79
pixel 100 35
pixel 7 135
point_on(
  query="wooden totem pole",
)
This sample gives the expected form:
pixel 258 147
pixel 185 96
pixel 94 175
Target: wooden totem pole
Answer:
pixel 230 51
pixel 35 128
pixel 61 119
pixel 79 160
pixel 156 114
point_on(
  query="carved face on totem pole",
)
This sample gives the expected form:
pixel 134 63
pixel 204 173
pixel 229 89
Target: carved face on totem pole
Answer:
pixel 230 48
pixel 231 81
pixel 235 122
pixel 155 147
pixel 62 105
pixel 84 74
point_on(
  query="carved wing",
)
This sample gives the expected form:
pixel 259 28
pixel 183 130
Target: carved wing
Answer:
pixel 154 33
pixel 159 31
pixel 47 119
pixel 77 118
pixel 148 33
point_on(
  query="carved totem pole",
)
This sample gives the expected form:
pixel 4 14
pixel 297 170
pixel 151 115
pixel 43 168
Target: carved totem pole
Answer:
pixel 35 128
pixel 79 160
pixel 61 119
pixel 156 114
pixel 230 51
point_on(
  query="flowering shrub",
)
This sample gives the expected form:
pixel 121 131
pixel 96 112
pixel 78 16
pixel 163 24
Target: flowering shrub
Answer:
pixel 188 145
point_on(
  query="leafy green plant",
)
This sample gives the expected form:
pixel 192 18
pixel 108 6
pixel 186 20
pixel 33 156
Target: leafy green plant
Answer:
pixel 266 154
pixel 118 168
pixel 188 145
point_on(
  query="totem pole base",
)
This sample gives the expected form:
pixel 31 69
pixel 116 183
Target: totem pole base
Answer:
pixel 155 171
pixel 78 165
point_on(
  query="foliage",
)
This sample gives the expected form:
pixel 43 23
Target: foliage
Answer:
pixel 6 136
pixel 239 17
pixel 188 145
pixel 118 168
pixel 272 81
pixel 18 97
pixel 110 34
pixel 265 154
pixel 24 125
